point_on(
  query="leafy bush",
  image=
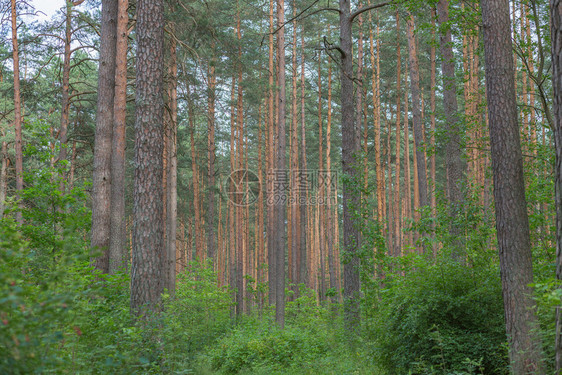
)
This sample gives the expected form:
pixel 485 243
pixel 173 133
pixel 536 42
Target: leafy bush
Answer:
pixel 443 318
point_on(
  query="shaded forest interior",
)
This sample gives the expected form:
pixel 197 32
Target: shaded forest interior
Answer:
pixel 281 187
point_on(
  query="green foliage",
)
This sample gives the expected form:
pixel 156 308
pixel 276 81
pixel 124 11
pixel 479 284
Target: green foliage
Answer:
pixel 440 318
pixel 194 317
pixel 311 343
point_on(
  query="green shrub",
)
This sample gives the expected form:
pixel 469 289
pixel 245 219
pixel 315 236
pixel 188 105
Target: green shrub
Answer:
pixel 443 318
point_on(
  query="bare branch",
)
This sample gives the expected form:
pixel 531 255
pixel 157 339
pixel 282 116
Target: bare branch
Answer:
pixel 368 7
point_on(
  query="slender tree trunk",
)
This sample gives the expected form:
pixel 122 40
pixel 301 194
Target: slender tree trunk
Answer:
pixel 118 238
pixel 512 223
pixel 321 223
pixel 231 207
pixel 199 251
pixel 295 212
pixel 556 39
pixel 397 226
pixel 3 174
pixel 456 166
pixel 416 109
pixel 271 165
pixel 101 181
pixel 433 83
pixel 305 194
pixel 211 162
pixel 407 169
pixel 146 274
pixel 240 240
pixel 351 196
pixel 331 239
pixel 17 113
pixel 65 101
pixel 375 63
pixel 279 243
pixel 172 169
pixel 260 277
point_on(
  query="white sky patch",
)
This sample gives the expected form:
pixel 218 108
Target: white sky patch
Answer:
pixel 49 7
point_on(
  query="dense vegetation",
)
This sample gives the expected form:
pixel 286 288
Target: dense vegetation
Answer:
pixel 392 269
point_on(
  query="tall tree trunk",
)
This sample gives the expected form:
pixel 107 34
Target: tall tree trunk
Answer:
pixel 295 212
pixel 117 240
pixel 416 109
pixel 397 221
pixel 331 239
pixel 101 181
pixel 271 164
pixel 456 166
pixel 407 169
pixel 65 101
pixel 304 195
pixel 199 253
pixel 231 207
pixel 172 169
pixel 146 273
pixel 433 83
pixel 279 244
pixel 375 63
pixel 211 162
pixel 240 240
pixel 321 223
pixel 17 113
pixel 3 174
pixel 556 39
pixel 512 223
pixel 351 197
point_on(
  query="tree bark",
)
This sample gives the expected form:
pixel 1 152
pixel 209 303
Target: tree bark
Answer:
pixel 101 181
pixel 512 222
pixel 279 243
pixel 416 109
pixel 172 169
pixel 117 241
pixel 455 164
pixel 17 114
pixel 146 273
pixel 350 165
pixel 211 162
pixel 556 39
pixel 397 223
pixel 3 174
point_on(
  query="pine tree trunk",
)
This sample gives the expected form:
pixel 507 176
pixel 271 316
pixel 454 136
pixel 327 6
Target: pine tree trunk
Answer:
pixel 512 222
pixel 279 243
pixel 397 226
pixel 101 181
pixel 456 166
pixel 146 273
pixel 172 169
pixel 65 101
pixel 305 194
pixel 3 174
pixel 351 196
pixel 117 241
pixel 17 113
pixel 295 212
pixel 416 109
pixel 556 39
pixel 211 251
